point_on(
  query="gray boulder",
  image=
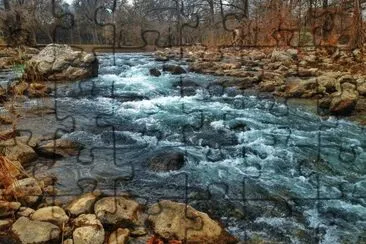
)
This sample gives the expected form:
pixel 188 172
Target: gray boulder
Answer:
pixel 58 62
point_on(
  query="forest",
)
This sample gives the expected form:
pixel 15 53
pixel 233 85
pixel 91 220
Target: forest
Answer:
pixel 184 22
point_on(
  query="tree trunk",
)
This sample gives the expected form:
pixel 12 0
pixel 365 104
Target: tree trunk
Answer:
pixel 356 31
pixel 6 5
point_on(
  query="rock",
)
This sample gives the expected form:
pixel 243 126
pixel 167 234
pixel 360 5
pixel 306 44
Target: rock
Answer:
pixel 347 78
pixel 8 208
pixel 301 88
pixel 166 161
pixel 257 55
pixel 161 56
pixel 59 148
pixel 113 210
pixel 25 212
pixel 53 214
pixel 362 89
pixel 281 56
pixel 7 134
pixel 348 86
pixel 328 84
pixel 57 62
pixel 26 190
pixel 16 150
pixel 174 69
pixel 212 56
pixel 138 231
pixel 6 119
pixel 344 103
pixel 268 86
pixel 83 204
pixel 68 241
pixel 177 221
pixel 228 66
pixel 120 236
pixel 89 230
pixel 28 231
pixel 292 52
pixel 87 219
pixel 155 72
pixel 305 72
pixel 5 224
pixel 36 90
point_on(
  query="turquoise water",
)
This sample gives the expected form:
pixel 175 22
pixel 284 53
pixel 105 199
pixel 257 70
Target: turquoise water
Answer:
pixel 264 169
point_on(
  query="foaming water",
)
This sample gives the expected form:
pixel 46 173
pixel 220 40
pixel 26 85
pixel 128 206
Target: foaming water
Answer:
pixel 266 170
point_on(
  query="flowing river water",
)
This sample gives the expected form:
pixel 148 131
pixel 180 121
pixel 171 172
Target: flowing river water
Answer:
pixel 266 170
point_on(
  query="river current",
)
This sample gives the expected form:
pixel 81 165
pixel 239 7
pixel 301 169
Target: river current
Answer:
pixel 265 169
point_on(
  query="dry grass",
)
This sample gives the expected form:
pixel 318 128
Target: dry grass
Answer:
pixel 8 174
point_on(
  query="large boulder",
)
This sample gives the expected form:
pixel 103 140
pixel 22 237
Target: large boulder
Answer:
pixel 177 221
pixel 117 210
pixel 53 214
pixel 58 62
pixel 89 230
pixel 83 204
pixel 28 231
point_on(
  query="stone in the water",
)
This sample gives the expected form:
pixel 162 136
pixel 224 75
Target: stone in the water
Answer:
pixel 32 232
pixel 166 161
pixel 174 69
pixel 177 221
pixel 59 148
pixel 53 214
pixel 155 72
pixel 117 210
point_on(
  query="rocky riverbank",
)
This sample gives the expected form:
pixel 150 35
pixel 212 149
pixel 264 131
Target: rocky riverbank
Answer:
pixel 334 78
pixel 32 210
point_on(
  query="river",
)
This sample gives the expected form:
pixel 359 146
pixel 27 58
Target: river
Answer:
pixel 266 170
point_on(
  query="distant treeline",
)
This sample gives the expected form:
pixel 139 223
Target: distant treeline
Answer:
pixel 183 22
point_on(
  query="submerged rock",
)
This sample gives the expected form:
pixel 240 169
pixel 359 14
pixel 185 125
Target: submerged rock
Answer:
pixel 28 231
pixel 174 69
pixel 177 221
pixel 57 62
pixel 155 72
pixel 166 161
pixel 59 148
